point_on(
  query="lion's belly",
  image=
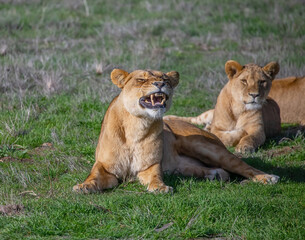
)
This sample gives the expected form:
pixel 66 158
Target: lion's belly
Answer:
pixel 170 156
pixel 175 163
pixel 168 161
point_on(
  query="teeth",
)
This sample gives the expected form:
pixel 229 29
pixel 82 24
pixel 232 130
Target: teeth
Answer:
pixel 159 94
pixel 152 99
pixel 156 99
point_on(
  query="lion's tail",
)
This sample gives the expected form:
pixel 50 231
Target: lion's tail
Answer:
pixel 203 119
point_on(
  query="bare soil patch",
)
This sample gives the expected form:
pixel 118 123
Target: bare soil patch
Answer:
pixel 12 159
pixel 43 149
pixel 283 150
pixel 11 209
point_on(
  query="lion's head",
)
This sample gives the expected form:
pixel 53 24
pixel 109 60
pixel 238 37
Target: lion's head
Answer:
pixel 146 93
pixel 250 84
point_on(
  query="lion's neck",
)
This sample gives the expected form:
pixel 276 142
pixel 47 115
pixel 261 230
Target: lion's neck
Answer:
pixel 135 129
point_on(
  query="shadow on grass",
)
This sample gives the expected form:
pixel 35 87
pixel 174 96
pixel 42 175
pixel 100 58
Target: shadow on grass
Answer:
pixel 289 132
pixel 287 135
pixel 292 130
pixel 295 174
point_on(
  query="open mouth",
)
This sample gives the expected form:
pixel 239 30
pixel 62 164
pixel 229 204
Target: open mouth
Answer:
pixel 154 100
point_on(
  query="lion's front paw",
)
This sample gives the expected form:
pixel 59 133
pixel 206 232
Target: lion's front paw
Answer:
pixel 244 148
pixel 266 178
pixel 85 188
pixel 165 189
pixel 160 189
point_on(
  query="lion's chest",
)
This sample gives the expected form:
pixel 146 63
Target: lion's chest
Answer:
pixel 135 158
pixel 130 146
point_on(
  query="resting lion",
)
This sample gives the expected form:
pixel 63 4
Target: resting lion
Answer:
pixel 135 142
pixel 243 115
pixel 289 94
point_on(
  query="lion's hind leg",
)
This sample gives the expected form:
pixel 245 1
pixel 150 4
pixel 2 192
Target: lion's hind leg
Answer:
pixel 216 155
pixel 191 167
pixel 98 180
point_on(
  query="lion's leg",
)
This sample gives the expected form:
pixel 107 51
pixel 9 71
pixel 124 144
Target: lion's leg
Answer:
pixel 218 156
pixel 229 138
pixel 152 177
pixel 202 119
pixel 253 140
pixel 98 180
pixel 193 168
pixel 249 143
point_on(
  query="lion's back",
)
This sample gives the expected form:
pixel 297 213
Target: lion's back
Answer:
pixel 289 93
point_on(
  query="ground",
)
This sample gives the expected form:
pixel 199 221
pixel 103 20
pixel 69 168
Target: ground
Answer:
pixel 55 62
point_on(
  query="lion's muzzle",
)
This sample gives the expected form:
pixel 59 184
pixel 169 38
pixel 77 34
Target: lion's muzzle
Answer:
pixel 154 100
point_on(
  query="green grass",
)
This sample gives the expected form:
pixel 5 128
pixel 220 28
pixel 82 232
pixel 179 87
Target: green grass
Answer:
pixel 50 93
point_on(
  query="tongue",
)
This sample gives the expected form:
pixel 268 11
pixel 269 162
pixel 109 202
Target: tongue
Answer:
pixel 158 100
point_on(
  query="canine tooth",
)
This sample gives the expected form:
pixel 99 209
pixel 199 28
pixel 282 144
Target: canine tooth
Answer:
pixel 152 99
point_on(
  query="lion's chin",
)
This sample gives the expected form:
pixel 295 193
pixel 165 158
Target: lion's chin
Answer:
pixel 155 113
pixel 253 106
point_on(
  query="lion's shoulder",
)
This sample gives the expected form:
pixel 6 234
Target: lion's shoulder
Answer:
pixel 289 95
pixel 288 82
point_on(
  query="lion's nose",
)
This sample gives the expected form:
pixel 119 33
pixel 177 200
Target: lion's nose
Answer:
pixel 254 95
pixel 159 84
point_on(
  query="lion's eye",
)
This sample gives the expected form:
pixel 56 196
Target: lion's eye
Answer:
pixel 244 81
pixel 141 79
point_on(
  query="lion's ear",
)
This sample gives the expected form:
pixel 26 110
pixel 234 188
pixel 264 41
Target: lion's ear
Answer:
pixel 232 67
pixel 118 77
pixel 174 78
pixel 272 69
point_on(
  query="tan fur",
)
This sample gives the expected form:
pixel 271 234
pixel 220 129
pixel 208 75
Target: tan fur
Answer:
pixel 135 142
pixel 289 93
pixel 240 119
pixel 204 119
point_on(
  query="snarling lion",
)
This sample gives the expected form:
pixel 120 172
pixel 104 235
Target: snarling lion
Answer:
pixel 244 116
pixel 135 142
pixel 289 94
